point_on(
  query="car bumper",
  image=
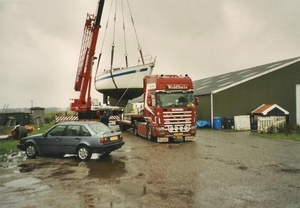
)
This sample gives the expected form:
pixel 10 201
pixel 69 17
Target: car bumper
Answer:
pixel 21 147
pixel 107 147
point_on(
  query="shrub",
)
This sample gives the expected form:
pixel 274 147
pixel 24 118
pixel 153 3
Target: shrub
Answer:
pixel 287 129
pixel 271 130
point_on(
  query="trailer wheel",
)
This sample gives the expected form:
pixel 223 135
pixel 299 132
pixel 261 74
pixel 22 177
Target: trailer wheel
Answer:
pixel 134 128
pixel 149 132
pixel 134 131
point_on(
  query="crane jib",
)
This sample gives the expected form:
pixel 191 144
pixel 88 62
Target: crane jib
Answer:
pixel 99 12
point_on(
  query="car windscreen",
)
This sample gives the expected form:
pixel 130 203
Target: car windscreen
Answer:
pixel 99 127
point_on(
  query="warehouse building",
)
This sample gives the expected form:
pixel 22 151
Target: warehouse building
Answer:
pixel 241 92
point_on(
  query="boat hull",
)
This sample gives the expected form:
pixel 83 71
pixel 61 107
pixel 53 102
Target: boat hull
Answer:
pixel 124 83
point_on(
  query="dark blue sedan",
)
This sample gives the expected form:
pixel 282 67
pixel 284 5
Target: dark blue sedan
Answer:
pixel 81 138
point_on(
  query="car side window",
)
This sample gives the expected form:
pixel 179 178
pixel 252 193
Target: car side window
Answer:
pixel 56 131
pixel 73 130
pixel 84 131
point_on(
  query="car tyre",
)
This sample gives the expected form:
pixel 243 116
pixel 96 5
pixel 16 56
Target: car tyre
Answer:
pixel 84 153
pixel 31 151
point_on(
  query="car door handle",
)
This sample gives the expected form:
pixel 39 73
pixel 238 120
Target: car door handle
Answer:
pixel 57 139
pixel 77 139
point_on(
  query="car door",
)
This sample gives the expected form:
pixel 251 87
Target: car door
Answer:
pixel 51 143
pixel 70 139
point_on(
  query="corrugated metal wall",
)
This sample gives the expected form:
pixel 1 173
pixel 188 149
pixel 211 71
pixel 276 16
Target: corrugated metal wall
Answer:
pixel 278 87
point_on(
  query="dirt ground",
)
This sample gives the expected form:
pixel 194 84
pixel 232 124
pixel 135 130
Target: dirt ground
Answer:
pixel 219 169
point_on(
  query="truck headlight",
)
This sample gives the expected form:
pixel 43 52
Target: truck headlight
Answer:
pixel 160 129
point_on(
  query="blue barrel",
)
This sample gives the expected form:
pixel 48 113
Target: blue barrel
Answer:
pixel 217 123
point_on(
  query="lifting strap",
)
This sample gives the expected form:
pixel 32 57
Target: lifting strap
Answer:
pixel 113 45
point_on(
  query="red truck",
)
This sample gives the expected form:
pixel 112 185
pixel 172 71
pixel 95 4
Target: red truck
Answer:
pixel 169 111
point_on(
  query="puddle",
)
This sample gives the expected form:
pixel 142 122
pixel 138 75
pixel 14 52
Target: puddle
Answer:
pixel 29 167
pixel 106 167
pixel 132 193
pixel 22 183
pixel 11 160
pixel 61 172
pixel 128 188
pixel 291 170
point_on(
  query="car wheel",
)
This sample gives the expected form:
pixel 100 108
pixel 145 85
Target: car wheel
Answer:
pixel 31 151
pixel 84 152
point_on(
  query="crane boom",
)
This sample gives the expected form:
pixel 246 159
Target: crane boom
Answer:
pixel 85 63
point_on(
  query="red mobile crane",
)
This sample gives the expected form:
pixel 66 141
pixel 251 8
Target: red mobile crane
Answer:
pixel 84 71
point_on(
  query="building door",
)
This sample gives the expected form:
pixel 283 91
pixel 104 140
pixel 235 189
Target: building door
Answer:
pixel 298 103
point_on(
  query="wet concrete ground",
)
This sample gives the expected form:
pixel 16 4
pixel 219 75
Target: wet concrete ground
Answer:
pixel 219 169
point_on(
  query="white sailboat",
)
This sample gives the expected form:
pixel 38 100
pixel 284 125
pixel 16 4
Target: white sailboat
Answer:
pixel 120 78
pixel 115 82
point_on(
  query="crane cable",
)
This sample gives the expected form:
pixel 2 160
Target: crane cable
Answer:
pixel 132 81
pixel 105 31
pixel 113 48
pixel 112 52
pixel 139 47
pixel 125 45
pixel 126 55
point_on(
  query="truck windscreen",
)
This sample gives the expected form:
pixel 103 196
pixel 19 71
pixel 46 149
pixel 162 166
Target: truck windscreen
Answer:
pixel 175 99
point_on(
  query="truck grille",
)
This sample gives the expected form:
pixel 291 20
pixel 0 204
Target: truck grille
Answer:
pixel 178 121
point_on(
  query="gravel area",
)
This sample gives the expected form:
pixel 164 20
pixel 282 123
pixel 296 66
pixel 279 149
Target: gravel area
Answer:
pixel 220 169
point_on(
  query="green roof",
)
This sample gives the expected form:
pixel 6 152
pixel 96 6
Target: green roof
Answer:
pixel 222 82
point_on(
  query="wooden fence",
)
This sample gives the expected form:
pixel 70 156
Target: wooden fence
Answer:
pixel 264 123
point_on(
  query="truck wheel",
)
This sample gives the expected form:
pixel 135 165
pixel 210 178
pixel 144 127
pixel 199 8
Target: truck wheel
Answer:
pixel 123 127
pixel 149 133
pixel 84 152
pixel 31 151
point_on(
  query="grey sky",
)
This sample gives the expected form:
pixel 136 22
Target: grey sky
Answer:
pixel 41 39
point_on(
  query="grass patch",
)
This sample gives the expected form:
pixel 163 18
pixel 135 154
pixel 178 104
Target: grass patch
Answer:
pixel 295 136
pixel 291 132
pixel 9 145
